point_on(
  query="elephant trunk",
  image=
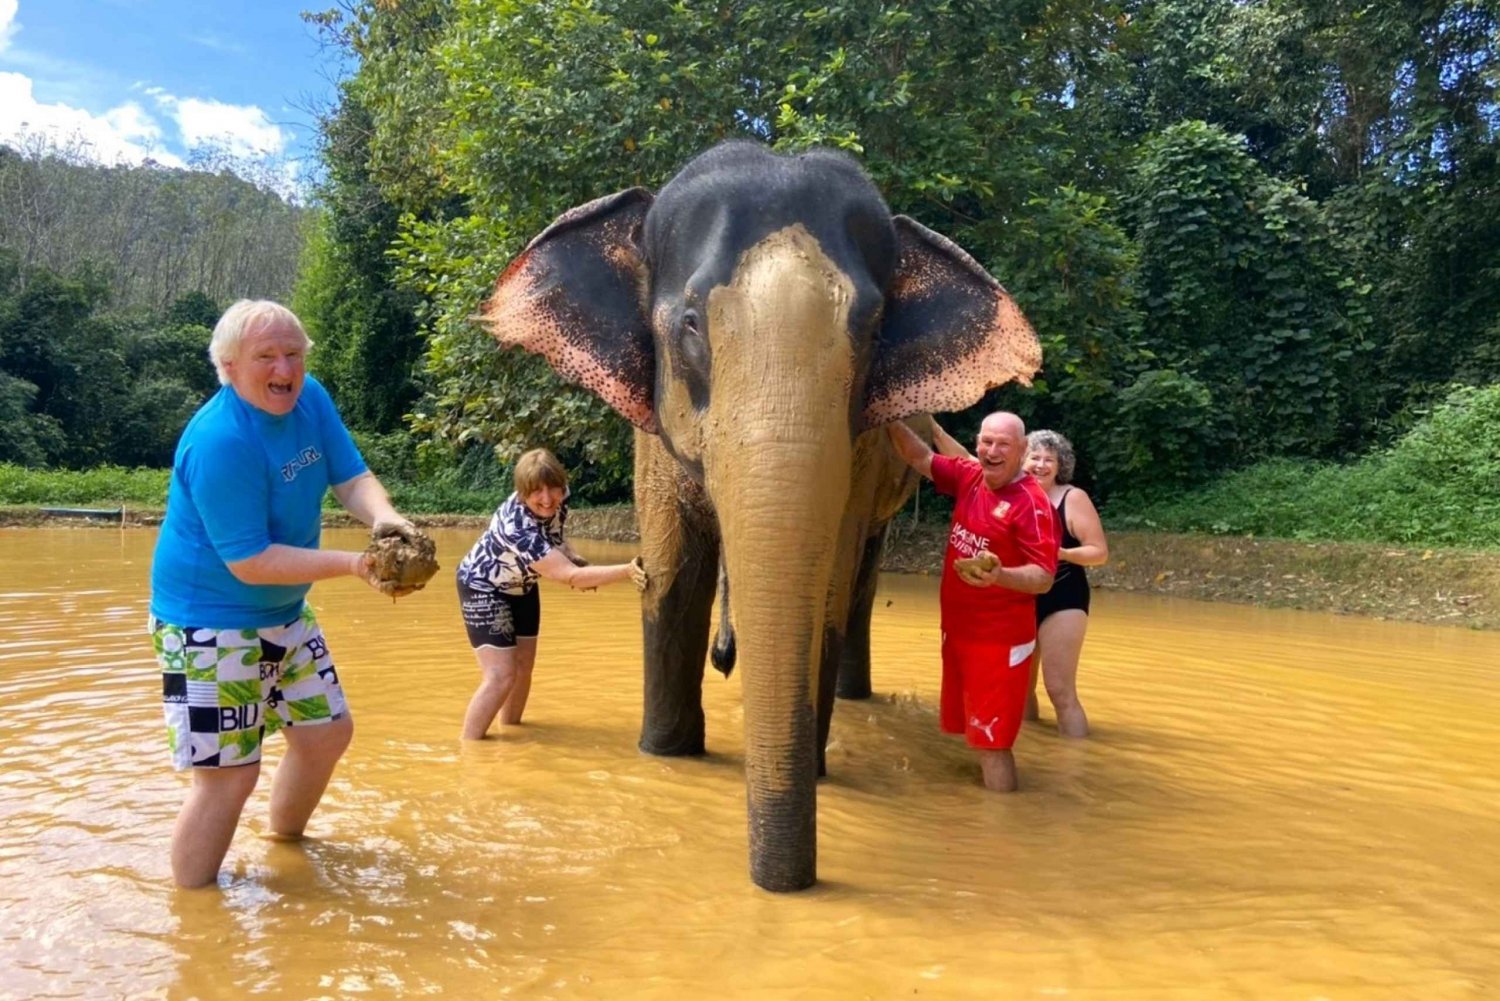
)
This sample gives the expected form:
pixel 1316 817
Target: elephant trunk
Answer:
pixel 777 454
pixel 780 559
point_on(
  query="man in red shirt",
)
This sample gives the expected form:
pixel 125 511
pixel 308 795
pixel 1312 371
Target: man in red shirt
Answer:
pixel 989 616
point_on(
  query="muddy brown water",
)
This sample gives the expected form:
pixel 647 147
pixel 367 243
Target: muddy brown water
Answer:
pixel 1275 804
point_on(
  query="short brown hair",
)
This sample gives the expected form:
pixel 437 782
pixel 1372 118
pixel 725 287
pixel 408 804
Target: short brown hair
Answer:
pixel 539 468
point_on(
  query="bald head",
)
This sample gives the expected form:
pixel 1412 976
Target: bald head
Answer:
pixel 1010 422
pixel 1001 448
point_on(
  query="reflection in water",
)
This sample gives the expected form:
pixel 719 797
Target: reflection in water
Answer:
pixel 1274 804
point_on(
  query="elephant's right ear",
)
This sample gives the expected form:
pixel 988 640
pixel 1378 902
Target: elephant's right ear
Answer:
pixel 574 296
pixel 950 332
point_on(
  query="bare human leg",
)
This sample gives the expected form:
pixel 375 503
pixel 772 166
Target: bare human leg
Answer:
pixel 1059 644
pixel 497 667
pixel 520 689
pixel 205 825
pixel 312 752
pixel 999 770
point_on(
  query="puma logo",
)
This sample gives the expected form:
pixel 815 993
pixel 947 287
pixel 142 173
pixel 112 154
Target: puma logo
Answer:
pixel 988 729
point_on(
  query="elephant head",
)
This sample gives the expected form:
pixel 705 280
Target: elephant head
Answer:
pixel 752 320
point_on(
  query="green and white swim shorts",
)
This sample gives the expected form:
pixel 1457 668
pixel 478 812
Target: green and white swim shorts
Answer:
pixel 223 690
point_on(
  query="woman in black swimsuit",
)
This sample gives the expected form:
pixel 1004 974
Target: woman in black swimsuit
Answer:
pixel 1062 614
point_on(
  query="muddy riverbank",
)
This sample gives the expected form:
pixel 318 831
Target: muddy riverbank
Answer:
pixel 1439 586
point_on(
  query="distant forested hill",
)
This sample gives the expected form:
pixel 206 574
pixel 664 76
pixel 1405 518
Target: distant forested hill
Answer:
pixel 110 281
pixel 158 233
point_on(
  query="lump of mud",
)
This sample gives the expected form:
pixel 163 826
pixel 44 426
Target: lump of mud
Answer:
pixel 974 569
pixel 402 563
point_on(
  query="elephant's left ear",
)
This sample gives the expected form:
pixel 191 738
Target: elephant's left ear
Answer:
pixel 950 333
pixel 574 297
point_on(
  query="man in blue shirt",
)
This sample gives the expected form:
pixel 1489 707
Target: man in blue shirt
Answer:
pixel 241 652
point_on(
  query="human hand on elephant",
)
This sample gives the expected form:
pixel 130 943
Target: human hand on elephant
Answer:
pixel 638 575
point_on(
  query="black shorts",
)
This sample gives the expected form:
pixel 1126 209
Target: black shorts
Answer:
pixel 498 620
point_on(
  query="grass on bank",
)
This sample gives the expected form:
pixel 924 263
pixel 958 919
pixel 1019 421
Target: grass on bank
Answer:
pixel 1438 486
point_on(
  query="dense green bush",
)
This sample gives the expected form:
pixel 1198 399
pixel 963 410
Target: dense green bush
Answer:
pixel 1251 347
pixel 82 385
pixel 1439 485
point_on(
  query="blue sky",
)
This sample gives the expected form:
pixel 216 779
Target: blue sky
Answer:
pixel 172 80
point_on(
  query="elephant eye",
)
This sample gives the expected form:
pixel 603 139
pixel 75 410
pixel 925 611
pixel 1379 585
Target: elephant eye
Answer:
pixel 690 340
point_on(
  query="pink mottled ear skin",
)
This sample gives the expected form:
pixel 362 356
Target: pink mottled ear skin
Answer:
pixel 953 333
pixel 591 332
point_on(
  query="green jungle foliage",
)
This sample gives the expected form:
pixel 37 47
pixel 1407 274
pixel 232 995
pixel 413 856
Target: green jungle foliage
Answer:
pixel 1242 230
pixel 81 385
pixel 438 479
pixel 1439 485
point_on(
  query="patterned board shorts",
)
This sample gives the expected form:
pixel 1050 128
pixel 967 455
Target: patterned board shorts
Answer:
pixel 223 690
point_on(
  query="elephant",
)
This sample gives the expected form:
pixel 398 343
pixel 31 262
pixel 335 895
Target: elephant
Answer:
pixel 758 321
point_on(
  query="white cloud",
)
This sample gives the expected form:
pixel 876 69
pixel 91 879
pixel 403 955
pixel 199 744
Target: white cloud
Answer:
pixel 242 130
pixel 124 134
pixel 217 136
pixel 130 121
pixel 8 25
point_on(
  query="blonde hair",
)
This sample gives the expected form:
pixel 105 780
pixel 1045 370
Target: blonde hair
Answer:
pixel 241 317
pixel 539 468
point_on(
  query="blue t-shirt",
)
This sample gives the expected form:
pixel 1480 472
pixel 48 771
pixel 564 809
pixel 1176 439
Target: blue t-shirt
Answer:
pixel 501 560
pixel 243 479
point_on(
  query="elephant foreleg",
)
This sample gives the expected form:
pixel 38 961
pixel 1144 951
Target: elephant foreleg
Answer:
pixel 854 664
pixel 680 545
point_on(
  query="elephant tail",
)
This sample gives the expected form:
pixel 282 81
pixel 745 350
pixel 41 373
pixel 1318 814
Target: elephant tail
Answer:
pixel 723 652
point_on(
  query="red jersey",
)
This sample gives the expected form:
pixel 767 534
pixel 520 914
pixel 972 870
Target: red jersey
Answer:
pixel 1018 524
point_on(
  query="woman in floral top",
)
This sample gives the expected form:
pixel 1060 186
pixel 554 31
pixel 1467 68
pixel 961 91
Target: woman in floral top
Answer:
pixel 497 586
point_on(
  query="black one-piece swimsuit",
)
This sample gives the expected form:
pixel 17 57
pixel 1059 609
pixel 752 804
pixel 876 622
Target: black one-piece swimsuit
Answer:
pixel 1070 586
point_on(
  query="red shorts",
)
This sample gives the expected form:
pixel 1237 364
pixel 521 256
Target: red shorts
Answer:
pixel 984 690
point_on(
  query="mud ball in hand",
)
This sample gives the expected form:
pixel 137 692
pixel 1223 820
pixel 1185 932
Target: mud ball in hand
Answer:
pixel 974 569
pixel 401 565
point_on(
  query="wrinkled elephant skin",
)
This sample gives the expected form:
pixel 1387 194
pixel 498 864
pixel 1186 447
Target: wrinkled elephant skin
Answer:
pixel 758 322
